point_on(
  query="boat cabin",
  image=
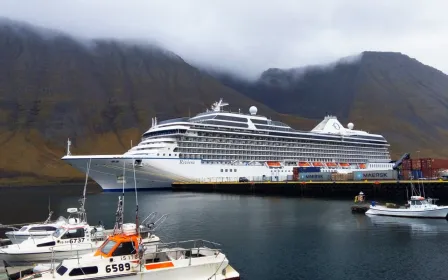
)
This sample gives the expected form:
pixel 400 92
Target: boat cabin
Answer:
pixel 417 201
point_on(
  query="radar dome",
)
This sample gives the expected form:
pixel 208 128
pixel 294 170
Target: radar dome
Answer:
pixel 350 125
pixel 253 110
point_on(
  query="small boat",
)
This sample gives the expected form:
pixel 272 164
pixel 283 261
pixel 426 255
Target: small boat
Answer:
pixel 125 256
pixel 418 207
pixel 35 230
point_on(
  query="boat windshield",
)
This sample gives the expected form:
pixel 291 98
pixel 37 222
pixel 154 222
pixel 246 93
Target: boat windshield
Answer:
pixel 108 246
pixel 23 229
pixel 58 232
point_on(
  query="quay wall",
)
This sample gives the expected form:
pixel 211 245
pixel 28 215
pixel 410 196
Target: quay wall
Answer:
pixel 391 190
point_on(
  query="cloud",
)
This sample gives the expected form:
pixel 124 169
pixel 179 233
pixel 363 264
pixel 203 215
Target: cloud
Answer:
pixel 250 36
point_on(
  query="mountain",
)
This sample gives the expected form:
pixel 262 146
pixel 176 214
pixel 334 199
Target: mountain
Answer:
pixel 380 92
pixel 100 93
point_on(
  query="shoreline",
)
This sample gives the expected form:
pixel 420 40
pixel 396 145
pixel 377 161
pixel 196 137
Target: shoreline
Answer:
pixel 74 183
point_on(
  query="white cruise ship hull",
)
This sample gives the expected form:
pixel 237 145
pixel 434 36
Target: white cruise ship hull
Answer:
pixel 439 212
pixel 159 173
pixel 156 173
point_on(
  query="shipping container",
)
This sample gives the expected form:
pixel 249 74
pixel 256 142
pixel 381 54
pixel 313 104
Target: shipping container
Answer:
pixel 315 176
pixel 406 164
pixel 439 163
pixel 416 164
pixel 417 174
pixel 342 176
pixel 405 174
pixel 375 175
pixel 309 169
pixel 431 173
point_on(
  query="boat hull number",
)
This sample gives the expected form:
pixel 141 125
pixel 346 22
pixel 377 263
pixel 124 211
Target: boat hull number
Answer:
pixel 74 240
pixel 118 267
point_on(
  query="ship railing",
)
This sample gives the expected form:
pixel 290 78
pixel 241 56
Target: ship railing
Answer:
pixel 186 249
pixel 75 251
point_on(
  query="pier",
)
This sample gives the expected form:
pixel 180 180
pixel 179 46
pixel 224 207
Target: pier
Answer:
pixel 347 189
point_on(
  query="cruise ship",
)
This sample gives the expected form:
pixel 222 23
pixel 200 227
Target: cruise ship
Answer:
pixel 220 146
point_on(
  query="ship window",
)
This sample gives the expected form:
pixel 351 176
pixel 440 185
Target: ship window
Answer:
pixel 73 233
pixel 221 170
pixel 108 246
pixel 169 154
pixel 230 170
pixel 51 243
pixel 125 248
pixel 61 269
pixel 163 154
pixel 226 170
pixel 234 170
pixel 23 229
pixel 83 271
pixel 44 228
pixel 158 154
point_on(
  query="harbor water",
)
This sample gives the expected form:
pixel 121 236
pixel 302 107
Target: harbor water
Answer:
pixel 265 237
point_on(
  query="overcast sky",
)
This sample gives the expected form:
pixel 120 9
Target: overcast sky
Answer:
pixel 250 36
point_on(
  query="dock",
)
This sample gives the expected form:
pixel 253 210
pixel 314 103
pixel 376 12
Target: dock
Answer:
pixel 373 189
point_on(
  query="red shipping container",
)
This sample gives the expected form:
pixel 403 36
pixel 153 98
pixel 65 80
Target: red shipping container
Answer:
pixel 416 164
pixel 440 163
pixel 405 174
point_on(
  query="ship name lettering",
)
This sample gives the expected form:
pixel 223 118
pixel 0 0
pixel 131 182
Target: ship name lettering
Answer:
pixel 186 161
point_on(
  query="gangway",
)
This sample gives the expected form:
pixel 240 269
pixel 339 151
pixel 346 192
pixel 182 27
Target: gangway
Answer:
pixel 400 161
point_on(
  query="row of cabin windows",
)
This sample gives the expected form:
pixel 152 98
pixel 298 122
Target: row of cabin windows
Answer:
pixel 228 170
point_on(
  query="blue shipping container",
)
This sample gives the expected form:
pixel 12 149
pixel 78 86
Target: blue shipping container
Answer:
pixel 315 176
pixel 309 169
pixel 417 174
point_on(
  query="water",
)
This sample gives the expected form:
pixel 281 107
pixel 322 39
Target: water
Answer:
pixel 267 237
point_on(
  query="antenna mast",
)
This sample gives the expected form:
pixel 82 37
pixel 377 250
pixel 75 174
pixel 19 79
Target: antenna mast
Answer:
pixel 119 213
pixel 82 210
pixel 136 200
pixel 69 143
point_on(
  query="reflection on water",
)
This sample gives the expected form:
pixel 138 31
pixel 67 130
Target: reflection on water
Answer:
pixel 269 237
pixel 414 225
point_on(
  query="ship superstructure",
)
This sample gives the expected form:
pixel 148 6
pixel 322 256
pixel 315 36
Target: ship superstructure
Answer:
pixel 216 146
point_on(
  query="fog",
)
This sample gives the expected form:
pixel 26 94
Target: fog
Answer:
pixel 247 37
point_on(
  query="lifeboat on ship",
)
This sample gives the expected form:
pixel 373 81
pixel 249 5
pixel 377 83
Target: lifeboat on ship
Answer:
pixel 344 164
pixel 332 164
pixel 362 166
pixel 273 164
pixel 304 164
pixel 318 164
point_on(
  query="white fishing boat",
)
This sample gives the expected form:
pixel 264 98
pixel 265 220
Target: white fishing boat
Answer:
pixel 418 207
pixel 125 255
pixel 69 240
pixel 35 230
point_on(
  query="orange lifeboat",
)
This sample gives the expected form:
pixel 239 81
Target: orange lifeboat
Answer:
pixel 344 164
pixel 318 164
pixel 331 164
pixel 304 164
pixel 273 164
pixel 362 166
